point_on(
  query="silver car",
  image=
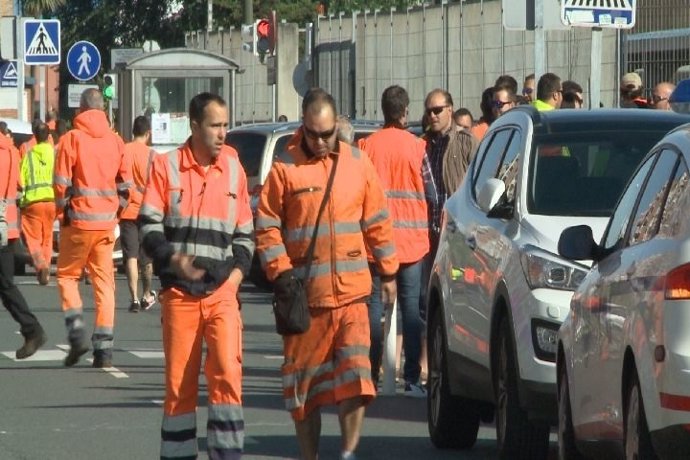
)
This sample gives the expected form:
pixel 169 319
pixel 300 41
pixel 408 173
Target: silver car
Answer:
pixel 624 348
pixel 499 290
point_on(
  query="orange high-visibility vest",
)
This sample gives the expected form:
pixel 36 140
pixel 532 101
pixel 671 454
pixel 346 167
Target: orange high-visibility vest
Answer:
pixel 91 173
pixel 139 155
pixel 356 217
pixel 9 180
pixel 397 156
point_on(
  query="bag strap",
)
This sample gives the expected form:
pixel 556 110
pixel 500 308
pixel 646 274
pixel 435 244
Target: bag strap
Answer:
pixel 312 243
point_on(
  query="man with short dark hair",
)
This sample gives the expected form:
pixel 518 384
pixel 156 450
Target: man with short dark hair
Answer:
pixel 463 118
pixel 572 95
pixel 197 227
pixel 549 93
pixel 504 100
pixel 140 156
pixel 329 362
pixel 92 183
pixel 528 88
pixel 400 161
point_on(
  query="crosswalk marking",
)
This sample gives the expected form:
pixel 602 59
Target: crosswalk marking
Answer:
pixel 40 355
pixel 148 354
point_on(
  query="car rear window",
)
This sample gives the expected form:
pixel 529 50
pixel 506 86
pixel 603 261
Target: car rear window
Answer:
pixel 583 173
pixel 250 147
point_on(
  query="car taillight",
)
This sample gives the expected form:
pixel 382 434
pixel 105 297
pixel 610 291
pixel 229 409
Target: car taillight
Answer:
pixel 678 283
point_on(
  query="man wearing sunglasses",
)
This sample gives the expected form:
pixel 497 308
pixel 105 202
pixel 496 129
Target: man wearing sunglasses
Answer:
pixel 504 100
pixel 661 94
pixel 528 88
pixel 549 93
pixel 328 363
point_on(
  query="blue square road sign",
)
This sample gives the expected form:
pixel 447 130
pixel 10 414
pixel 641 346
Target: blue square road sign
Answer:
pixel 41 41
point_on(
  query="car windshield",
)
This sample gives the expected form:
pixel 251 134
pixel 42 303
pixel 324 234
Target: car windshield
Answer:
pixel 583 173
pixel 250 147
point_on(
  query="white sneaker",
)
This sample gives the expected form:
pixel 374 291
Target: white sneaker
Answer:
pixel 415 390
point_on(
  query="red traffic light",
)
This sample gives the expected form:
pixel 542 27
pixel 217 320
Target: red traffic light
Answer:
pixel 263 28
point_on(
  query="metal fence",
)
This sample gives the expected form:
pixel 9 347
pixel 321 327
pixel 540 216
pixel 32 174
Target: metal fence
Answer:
pixel 658 47
pixel 463 47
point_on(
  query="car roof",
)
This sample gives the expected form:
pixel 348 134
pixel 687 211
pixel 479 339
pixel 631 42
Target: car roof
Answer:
pixel 680 137
pixel 561 121
pixel 17 126
pixel 291 126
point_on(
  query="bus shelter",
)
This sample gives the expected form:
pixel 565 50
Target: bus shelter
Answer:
pixel 160 85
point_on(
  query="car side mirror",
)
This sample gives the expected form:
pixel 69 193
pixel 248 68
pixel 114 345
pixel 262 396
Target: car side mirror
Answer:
pixel 577 243
pixel 490 194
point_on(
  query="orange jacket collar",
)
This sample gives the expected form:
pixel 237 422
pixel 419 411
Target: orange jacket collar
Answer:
pixel 187 160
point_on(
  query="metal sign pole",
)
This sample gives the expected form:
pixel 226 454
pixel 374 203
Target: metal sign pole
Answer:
pixel 20 69
pixel 539 40
pixel 42 92
pixel 595 69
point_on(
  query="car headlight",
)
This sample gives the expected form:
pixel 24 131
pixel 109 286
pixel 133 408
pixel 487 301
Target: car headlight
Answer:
pixel 545 270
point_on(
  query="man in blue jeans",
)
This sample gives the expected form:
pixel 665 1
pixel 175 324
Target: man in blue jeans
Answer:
pixel 400 161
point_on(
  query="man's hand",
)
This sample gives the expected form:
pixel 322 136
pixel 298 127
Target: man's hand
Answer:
pixel 389 291
pixel 183 266
pixel 236 277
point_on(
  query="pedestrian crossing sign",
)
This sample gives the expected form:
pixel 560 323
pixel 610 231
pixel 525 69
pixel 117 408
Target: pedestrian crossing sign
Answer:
pixel 614 14
pixel 41 41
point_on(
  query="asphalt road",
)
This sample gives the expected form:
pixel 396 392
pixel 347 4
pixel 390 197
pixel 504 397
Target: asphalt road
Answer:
pixel 48 412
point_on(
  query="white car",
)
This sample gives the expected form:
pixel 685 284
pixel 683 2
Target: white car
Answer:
pixel 624 349
pixel 499 291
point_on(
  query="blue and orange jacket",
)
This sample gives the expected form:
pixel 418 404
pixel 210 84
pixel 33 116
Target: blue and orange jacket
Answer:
pixel 356 217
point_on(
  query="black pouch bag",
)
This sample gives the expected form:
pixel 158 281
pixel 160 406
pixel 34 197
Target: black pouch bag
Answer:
pixel 290 307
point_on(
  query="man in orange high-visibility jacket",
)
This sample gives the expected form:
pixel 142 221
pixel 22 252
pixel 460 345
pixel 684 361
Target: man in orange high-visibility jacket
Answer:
pixel 140 155
pixel 400 160
pixel 329 363
pixel 12 298
pixel 197 227
pixel 92 182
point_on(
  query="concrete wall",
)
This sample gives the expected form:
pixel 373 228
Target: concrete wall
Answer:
pixel 254 97
pixel 458 47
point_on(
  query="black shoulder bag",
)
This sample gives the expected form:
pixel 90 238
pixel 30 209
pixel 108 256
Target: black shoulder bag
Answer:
pixel 290 302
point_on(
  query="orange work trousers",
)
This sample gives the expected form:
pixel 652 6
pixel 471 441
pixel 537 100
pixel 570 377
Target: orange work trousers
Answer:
pixel 92 249
pixel 37 228
pixel 187 322
pixel 330 362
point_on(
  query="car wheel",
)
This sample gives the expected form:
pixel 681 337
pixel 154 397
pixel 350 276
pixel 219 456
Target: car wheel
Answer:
pixel 566 434
pixel 638 443
pixel 517 436
pixel 453 421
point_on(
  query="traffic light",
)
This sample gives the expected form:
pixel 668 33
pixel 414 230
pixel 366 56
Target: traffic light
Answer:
pixel 259 38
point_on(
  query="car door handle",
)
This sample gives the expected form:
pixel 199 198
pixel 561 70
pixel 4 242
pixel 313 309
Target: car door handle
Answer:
pixel 471 242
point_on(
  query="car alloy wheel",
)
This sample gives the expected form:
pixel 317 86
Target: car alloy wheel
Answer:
pixel 638 443
pixel 566 434
pixel 453 421
pixel 518 437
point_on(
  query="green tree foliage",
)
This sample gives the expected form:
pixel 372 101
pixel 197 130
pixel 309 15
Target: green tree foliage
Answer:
pixel 38 8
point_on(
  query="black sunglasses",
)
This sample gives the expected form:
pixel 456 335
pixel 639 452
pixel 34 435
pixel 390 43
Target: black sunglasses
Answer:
pixel 526 91
pixel 500 104
pixel 324 136
pixel 435 110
